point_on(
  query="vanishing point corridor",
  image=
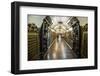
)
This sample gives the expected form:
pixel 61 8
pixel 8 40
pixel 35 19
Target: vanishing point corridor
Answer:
pixel 59 49
pixel 57 37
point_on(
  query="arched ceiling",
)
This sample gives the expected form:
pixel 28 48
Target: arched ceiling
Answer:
pixel 60 24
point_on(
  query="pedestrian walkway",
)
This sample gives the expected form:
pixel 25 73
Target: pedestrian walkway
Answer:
pixel 59 49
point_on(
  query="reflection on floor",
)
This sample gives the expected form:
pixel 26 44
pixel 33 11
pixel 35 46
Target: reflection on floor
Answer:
pixel 59 49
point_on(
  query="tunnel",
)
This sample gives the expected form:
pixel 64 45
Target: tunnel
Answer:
pixel 58 38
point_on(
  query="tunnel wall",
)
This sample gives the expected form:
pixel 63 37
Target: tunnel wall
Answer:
pixel 44 33
pixel 78 37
